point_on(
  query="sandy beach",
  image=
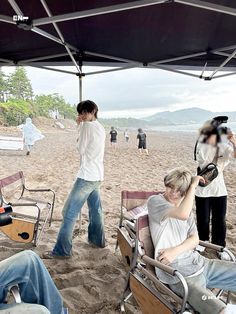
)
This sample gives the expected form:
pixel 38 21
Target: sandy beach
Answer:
pixel 92 281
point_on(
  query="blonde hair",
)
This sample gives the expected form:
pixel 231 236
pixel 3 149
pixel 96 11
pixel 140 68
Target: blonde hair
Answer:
pixel 179 178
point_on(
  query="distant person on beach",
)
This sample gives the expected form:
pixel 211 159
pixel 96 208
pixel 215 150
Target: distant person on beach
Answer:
pixel 90 145
pixel 113 139
pixel 142 141
pixel 217 145
pixel 126 135
pixel 36 287
pixel 30 134
pixel 175 236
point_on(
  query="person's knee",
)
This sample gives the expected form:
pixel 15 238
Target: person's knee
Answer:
pixel 28 256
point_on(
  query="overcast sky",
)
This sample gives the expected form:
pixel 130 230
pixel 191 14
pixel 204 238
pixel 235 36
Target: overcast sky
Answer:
pixel 137 92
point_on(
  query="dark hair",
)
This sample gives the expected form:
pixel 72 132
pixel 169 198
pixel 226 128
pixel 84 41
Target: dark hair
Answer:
pixel 87 106
pixel 140 130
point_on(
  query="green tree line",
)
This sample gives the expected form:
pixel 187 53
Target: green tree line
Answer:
pixel 17 100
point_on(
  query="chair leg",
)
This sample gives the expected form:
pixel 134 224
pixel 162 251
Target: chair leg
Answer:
pixel 126 295
pixel 16 294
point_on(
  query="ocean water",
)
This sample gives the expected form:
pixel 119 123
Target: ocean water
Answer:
pixel 189 128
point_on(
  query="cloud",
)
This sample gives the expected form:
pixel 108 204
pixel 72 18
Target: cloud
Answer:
pixel 137 90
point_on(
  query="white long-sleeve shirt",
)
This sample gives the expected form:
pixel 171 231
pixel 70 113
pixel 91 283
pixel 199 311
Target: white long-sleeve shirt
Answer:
pixel 205 155
pixel 91 144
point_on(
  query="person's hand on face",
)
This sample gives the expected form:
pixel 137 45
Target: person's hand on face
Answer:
pixel 79 118
pixel 231 137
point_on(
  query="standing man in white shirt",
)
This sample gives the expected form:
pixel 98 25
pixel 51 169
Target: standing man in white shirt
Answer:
pixel 91 144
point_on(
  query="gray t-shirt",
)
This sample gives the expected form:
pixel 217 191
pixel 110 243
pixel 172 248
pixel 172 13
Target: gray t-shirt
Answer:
pixel 169 232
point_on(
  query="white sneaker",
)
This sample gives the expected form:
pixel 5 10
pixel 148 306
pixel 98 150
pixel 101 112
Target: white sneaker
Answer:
pixel 230 308
pixel 200 248
pixel 224 256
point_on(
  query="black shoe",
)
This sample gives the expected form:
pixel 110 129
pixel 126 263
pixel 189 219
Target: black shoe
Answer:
pixel 27 153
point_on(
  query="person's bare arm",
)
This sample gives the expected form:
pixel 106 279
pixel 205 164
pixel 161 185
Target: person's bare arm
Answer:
pixel 183 211
pixel 166 256
pixel 232 139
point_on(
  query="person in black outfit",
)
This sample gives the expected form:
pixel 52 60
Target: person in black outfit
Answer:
pixel 141 141
pixel 113 139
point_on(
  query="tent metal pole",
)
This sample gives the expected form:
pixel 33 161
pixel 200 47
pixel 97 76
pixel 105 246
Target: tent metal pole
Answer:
pixel 112 57
pixel 175 71
pixel 224 48
pixel 224 75
pixel 60 35
pixel 15 7
pixel 179 58
pixel 47 35
pixel 223 64
pixel 45 57
pixel 204 69
pixel 224 54
pixel 208 6
pixel 111 70
pixel 80 99
pixel 54 38
pixel 46 68
pixel 80 88
pixel 6 60
pixel 6 19
pixel 97 11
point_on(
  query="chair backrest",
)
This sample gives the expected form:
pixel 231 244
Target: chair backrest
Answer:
pixel 132 199
pixel 11 188
pixel 144 236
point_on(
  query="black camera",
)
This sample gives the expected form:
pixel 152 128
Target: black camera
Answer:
pixel 212 128
pixel 216 128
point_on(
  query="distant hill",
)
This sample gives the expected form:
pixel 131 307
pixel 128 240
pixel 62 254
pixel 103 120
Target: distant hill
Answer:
pixel 125 122
pixel 184 116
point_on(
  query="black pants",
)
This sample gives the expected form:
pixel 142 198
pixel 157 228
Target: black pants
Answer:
pixel 214 207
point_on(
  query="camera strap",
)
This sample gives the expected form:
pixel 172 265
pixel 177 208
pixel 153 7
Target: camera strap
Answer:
pixel 195 149
pixel 215 159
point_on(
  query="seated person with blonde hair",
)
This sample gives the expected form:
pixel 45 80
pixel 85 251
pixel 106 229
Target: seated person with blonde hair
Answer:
pixel 174 234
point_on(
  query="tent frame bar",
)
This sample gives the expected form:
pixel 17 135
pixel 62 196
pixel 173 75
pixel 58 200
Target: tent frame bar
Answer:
pixel 129 6
pixel 208 6
pixel 97 11
pixel 60 35
pixel 71 50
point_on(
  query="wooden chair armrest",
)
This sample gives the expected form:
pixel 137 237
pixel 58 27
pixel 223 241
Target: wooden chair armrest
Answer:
pixel 40 190
pixel 23 204
pixel 159 265
pixel 212 246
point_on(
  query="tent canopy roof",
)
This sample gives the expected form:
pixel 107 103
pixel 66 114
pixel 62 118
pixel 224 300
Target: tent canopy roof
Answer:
pixel 173 34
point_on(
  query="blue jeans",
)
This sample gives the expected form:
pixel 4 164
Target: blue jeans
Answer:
pixel 81 192
pixel 216 274
pixel 26 270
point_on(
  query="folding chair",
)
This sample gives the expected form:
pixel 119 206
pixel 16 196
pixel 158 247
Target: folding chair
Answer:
pixel 133 203
pixel 32 208
pixel 151 294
